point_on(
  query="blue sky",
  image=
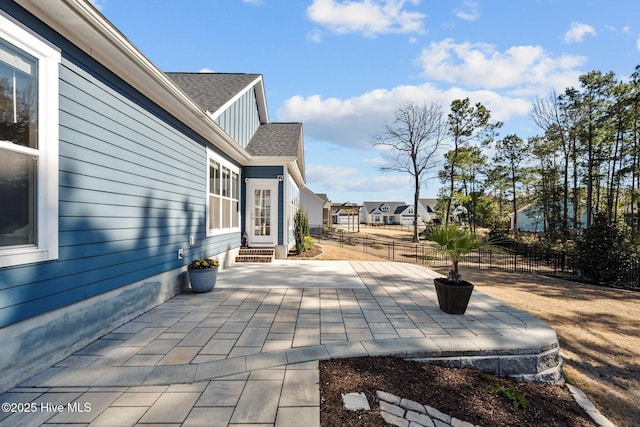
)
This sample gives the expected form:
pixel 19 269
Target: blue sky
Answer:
pixel 343 67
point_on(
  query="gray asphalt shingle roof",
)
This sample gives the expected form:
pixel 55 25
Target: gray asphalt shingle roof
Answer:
pixel 276 139
pixel 212 90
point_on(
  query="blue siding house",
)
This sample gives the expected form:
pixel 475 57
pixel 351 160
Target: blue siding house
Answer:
pixel 109 167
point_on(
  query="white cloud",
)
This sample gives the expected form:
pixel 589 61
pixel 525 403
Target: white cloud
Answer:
pixel 337 180
pixel 256 2
pixel 470 11
pixel 354 121
pixel 520 69
pixel 369 17
pixel 577 32
pixel 506 82
pixel 374 161
pixel 638 43
pixel 206 70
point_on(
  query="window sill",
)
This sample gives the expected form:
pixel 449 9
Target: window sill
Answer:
pixel 14 257
pixel 211 233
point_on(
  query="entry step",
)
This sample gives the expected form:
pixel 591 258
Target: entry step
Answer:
pixel 256 255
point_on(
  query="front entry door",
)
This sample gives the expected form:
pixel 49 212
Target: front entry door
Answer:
pixel 262 215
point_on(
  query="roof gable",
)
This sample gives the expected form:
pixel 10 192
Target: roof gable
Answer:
pixel 212 91
pixel 392 206
pixel 401 209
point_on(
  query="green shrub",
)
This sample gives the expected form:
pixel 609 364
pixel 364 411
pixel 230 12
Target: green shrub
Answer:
pixel 602 253
pixel 307 242
pixel 300 229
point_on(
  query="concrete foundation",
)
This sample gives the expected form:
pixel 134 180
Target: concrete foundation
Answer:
pixel 30 346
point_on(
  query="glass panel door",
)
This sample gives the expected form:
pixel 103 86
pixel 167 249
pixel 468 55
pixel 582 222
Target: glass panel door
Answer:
pixel 262 212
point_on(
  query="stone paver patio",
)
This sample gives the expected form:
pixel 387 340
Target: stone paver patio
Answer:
pixel 247 352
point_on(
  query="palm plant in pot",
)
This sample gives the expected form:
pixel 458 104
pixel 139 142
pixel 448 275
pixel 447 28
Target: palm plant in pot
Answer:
pixel 203 273
pixel 453 292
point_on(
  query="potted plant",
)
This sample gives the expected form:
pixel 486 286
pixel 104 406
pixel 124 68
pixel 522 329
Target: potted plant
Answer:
pixel 203 273
pixel 453 292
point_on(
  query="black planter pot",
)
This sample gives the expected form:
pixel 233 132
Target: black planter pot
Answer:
pixel 453 297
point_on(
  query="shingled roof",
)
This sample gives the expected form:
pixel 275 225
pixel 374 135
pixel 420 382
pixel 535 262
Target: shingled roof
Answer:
pixel 276 139
pixel 212 90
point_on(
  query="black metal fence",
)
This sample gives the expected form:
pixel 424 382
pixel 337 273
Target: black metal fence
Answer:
pixel 547 262
pixel 536 260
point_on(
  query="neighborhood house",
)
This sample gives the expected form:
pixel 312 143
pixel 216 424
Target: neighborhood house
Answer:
pixel 378 213
pixel 115 175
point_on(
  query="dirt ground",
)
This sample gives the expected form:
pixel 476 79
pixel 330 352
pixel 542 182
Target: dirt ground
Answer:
pixel 465 394
pixel 598 329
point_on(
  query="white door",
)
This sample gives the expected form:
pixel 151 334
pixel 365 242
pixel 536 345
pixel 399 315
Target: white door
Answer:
pixel 262 215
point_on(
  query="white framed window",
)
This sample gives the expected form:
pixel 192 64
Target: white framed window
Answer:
pixel 223 195
pixel 28 146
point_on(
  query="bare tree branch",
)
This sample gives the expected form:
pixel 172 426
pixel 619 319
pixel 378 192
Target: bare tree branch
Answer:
pixel 414 138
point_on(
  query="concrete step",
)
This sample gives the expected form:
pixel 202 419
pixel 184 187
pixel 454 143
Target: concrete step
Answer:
pixel 256 255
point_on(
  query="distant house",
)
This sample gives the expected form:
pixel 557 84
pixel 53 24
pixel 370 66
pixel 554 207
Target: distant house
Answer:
pixel 317 206
pixel 531 219
pixel 118 175
pixel 326 209
pixel 378 213
pixel 427 210
pixel 460 214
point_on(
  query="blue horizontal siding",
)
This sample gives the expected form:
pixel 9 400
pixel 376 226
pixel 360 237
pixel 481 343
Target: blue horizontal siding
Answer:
pixel 132 185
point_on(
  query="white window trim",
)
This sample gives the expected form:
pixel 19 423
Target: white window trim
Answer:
pixel 213 156
pixel 49 58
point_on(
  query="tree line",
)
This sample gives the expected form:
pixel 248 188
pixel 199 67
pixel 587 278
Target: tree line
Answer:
pixel 585 160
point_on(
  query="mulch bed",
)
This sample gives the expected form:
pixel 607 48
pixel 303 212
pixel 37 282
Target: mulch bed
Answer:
pixel 311 253
pixel 462 393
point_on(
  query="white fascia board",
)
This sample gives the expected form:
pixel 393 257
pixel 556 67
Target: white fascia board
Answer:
pixel 289 162
pixel 84 26
pixel 261 100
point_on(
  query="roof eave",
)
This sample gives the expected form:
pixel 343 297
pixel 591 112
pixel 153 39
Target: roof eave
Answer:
pixel 85 27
